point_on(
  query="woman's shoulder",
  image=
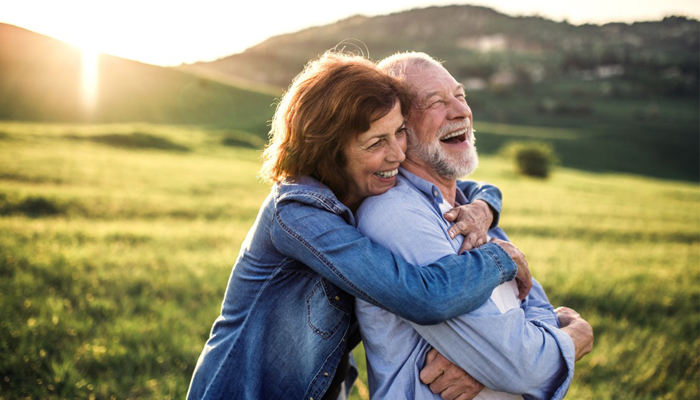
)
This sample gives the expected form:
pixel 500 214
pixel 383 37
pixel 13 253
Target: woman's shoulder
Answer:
pixel 307 191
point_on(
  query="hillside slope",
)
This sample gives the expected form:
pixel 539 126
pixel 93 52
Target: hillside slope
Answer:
pixel 625 94
pixel 41 80
pixel 478 42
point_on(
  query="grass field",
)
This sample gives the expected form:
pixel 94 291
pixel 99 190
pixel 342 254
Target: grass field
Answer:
pixel 116 242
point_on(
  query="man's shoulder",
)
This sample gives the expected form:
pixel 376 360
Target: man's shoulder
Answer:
pixel 402 197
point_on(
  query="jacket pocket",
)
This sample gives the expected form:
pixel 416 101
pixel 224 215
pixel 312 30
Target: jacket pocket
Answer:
pixel 324 317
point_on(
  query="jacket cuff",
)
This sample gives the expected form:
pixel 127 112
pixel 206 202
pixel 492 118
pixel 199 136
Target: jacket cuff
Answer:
pixel 506 266
pixel 494 203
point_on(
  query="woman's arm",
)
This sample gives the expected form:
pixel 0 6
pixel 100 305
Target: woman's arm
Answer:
pixel 485 192
pixel 449 287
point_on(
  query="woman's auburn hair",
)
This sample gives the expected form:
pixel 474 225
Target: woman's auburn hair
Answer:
pixel 334 99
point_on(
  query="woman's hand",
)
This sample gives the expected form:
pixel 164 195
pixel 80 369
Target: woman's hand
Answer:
pixel 523 278
pixel 471 220
pixel 448 380
pixel 580 331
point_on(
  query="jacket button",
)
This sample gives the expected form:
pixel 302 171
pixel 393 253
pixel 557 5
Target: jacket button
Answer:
pixel 337 298
pixel 325 374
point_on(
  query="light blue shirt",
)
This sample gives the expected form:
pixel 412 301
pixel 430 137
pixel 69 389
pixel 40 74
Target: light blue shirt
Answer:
pixel 521 351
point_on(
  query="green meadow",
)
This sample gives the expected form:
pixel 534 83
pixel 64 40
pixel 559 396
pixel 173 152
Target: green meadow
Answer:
pixel 116 243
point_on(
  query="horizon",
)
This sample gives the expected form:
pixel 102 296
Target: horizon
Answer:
pixel 216 29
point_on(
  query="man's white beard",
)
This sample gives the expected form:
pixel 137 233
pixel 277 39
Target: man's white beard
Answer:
pixel 445 166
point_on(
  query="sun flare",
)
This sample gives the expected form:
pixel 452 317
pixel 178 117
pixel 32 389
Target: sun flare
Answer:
pixel 89 79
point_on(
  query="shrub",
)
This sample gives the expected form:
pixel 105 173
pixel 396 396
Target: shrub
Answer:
pixel 531 158
pixel 32 206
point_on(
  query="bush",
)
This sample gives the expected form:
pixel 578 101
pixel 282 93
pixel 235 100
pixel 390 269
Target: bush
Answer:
pixel 532 158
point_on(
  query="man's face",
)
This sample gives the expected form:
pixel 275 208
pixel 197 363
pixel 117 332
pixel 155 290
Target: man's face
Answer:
pixel 440 125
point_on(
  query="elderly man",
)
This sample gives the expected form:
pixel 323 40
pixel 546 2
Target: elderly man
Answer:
pixel 513 348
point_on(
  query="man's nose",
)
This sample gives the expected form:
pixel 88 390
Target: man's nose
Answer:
pixel 459 109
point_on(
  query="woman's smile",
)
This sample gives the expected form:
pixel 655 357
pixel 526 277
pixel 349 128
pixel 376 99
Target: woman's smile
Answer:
pixel 373 157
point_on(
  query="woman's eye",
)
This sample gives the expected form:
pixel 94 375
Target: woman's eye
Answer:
pixel 375 144
pixel 402 131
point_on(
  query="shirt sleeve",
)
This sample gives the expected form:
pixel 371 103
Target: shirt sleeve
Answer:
pixel 506 352
pixel 536 306
pixel 449 287
pixel 486 192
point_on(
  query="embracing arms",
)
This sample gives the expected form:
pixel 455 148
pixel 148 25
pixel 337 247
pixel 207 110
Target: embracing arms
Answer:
pixel 449 287
pixel 316 231
pixel 506 352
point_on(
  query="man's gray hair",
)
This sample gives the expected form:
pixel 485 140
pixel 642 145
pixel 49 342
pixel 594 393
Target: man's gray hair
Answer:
pixel 396 65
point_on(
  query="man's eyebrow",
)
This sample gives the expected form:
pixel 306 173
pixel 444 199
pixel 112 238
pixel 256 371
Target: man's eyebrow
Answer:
pixel 430 94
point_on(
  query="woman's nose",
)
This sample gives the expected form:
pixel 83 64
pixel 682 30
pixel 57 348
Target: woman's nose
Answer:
pixel 396 151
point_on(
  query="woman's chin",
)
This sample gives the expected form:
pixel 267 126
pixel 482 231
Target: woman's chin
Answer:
pixel 383 185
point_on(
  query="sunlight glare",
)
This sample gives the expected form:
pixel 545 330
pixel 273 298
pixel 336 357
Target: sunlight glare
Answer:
pixel 89 79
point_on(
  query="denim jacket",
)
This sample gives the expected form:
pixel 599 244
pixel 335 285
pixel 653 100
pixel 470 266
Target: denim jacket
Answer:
pixel 285 320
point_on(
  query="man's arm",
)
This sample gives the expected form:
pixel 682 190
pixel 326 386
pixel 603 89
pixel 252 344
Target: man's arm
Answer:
pixel 505 352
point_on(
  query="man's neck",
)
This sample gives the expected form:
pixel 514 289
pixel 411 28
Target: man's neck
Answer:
pixel 448 187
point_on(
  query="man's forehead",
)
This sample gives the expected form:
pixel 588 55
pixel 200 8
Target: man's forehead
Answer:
pixel 430 81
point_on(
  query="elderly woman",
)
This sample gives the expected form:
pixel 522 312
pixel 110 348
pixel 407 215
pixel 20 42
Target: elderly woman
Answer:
pixel 286 324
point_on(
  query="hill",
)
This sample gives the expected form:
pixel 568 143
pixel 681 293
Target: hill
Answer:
pixel 480 43
pixel 609 98
pixel 41 80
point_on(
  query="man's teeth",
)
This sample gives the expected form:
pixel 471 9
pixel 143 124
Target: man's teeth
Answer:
pixel 387 174
pixel 454 134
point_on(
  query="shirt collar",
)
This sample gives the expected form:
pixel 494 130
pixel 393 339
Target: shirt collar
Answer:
pixel 429 189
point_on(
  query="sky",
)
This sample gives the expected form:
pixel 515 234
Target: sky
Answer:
pixel 171 32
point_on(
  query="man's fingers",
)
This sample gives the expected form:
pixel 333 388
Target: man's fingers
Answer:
pixel 457 228
pixel 431 356
pixel 468 243
pixel 471 238
pixel 468 395
pixel 449 393
pixel 454 382
pixel 523 278
pixel 433 367
pixel 451 215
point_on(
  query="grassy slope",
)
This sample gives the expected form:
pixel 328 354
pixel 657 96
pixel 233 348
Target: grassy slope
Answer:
pixel 40 80
pixel 116 242
pixel 652 137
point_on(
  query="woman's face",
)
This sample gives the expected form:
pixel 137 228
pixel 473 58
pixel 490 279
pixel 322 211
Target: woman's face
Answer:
pixel 373 157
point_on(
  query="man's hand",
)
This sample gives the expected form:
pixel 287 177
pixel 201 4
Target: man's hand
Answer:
pixel 523 277
pixel 580 331
pixel 472 221
pixel 448 380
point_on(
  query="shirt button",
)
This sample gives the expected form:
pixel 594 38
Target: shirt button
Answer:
pixel 435 192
